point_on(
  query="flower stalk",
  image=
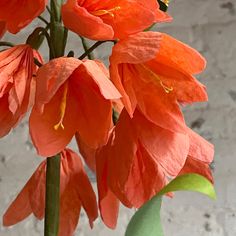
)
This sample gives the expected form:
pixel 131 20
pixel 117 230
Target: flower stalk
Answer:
pixel 58 33
pixel 52 203
pixel 58 38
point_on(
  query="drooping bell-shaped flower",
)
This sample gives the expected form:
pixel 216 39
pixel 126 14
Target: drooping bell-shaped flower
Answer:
pixel 114 19
pixel 155 72
pixel 139 160
pixel 75 192
pixel 17 13
pixel 17 85
pixel 72 96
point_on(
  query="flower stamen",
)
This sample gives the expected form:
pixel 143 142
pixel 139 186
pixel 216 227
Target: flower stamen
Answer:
pixel 165 87
pixel 62 108
pixel 105 12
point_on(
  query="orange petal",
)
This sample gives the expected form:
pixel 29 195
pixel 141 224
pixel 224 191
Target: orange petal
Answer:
pixel 70 206
pixel 16 69
pixel 94 116
pixel 185 87
pixel 158 106
pixel 37 191
pixel 51 76
pixel 108 202
pixel 82 186
pixel 200 149
pixel 23 205
pixel 197 167
pixel 121 153
pixel 137 48
pixel 7 119
pixel 132 17
pixel 18 15
pixel 115 77
pixel 46 139
pixel 179 55
pixel 160 15
pixel 133 174
pixel 146 178
pixel 97 71
pixel 87 153
pixel 79 20
pixel 76 191
pixel 167 148
pixel 2 28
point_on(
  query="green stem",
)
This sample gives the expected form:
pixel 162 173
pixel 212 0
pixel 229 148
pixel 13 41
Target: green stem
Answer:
pixel 6 44
pixel 58 33
pixel 52 206
pixel 57 42
pixel 86 47
pixel 89 50
pixel 43 20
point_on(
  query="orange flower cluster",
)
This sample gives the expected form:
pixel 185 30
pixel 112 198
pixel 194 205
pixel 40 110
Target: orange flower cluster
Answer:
pixel 150 75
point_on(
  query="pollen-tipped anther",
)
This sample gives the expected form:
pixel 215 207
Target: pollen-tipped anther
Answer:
pixel 62 109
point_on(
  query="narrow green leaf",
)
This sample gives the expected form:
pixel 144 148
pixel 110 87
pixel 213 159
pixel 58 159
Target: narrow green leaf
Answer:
pixel 190 182
pixel 147 222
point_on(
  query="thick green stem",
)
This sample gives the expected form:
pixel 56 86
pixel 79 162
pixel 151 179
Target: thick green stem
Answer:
pixel 52 203
pixel 57 42
pixel 58 33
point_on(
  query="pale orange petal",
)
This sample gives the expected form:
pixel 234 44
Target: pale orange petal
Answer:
pixel 108 202
pixel 180 55
pixel 94 116
pixel 18 15
pixel 28 200
pixel 167 148
pixel 198 167
pixel 52 75
pixel 46 139
pixel 2 28
pixel 79 20
pixel 200 149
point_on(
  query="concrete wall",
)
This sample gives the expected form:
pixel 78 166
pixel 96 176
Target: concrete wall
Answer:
pixel 210 27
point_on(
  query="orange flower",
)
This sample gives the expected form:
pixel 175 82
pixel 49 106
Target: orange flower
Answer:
pixel 199 157
pixel 17 14
pixel 104 20
pixel 87 153
pixel 75 192
pixel 16 85
pixel 2 28
pixel 135 165
pixel 108 202
pixel 71 96
pixel 155 72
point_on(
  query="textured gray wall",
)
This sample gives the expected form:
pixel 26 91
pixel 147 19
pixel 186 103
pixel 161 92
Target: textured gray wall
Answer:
pixel 210 27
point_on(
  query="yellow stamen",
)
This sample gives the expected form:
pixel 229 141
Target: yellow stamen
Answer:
pixel 62 108
pixel 105 12
pixel 165 87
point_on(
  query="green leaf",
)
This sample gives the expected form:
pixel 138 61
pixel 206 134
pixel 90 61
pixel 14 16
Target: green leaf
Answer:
pixel 190 182
pixel 147 222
